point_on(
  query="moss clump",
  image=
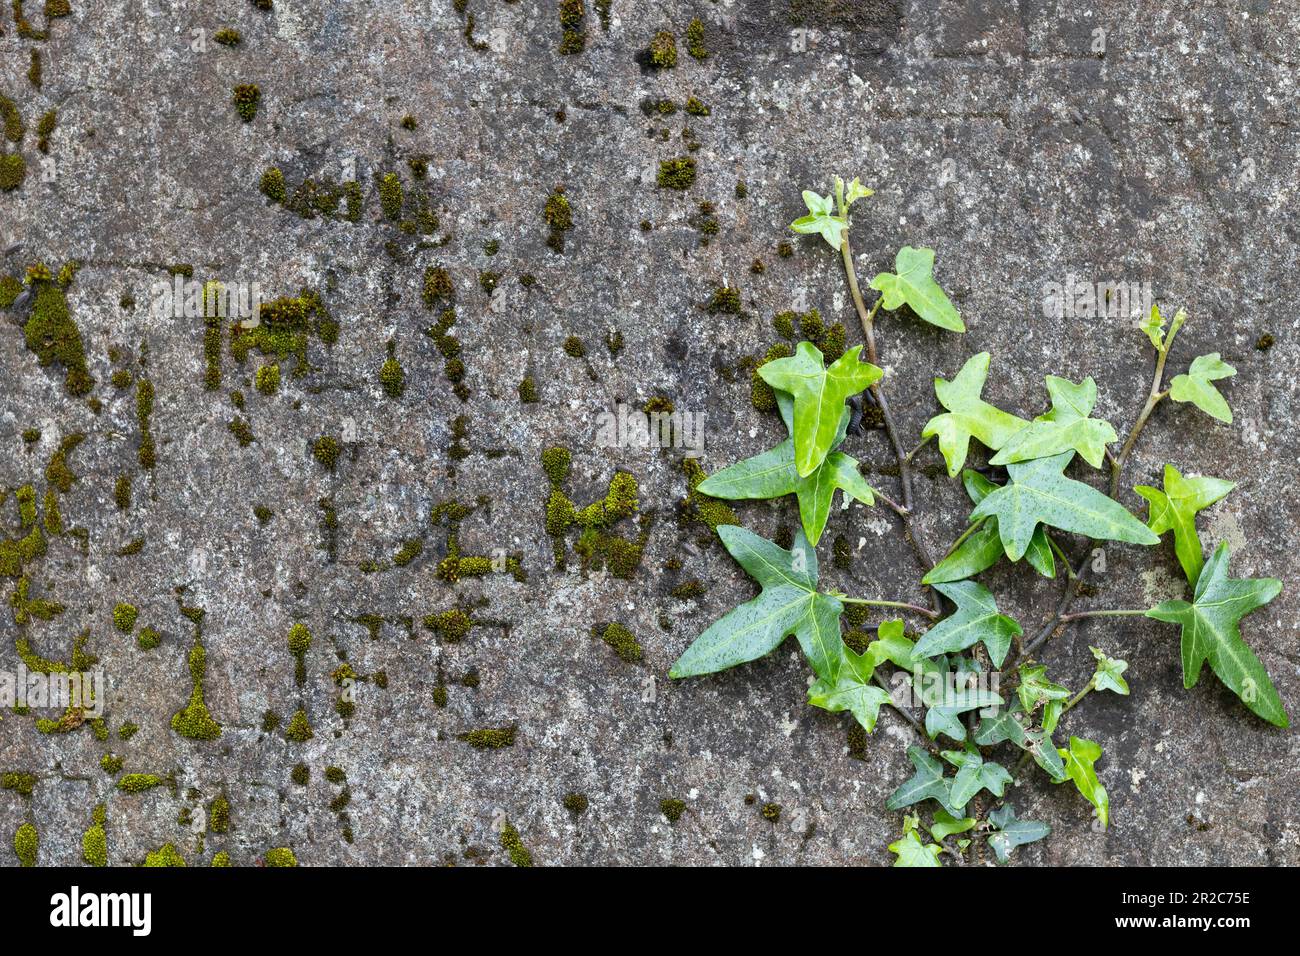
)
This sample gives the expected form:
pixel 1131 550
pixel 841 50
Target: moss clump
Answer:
pixel 228 36
pixel 124 617
pixel 391 196
pixel 528 390
pixel 451 626
pixel 268 379
pixel 242 431
pixel 672 808
pixel 194 721
pixel 273 186
pixel 13 170
pixel 575 803
pixel 710 512
pixel 300 774
pixel 26 843
pixel 621 639
pixel 221 859
pixel 489 738
pixel 299 729
pixel 14 130
pixel 662 51
pixel 144 397
pixel 575 347
pixel 771 812
pixel 559 217
pixel 689 590
pixel 111 764
pixel 556 462
pixel 52 335
pixel 246 98
pixel 697 107
pixel 695 40
pixel 760 393
pixel 437 286
pixel 392 378
pixel 326 451
pixel 19 781
pixel 725 300
pixel 513 845
pixel 139 782
pixel 676 173
pixel 410 550
pixel 94 842
pixel 165 855
pixel 219 814
pixel 1264 342
pixel 335 775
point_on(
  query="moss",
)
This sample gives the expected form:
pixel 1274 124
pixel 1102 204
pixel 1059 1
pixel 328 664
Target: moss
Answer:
pixel 58 8
pixel 165 855
pixel 227 36
pixel 57 472
pixel 696 107
pixel 575 803
pixel 13 170
pixel 771 812
pixel 94 845
pixel 451 626
pixel 247 97
pixel 662 51
pixel 409 551
pixel 221 859
pixel 514 845
pixel 695 40
pixel 53 336
pixel 124 617
pixel 268 379
pixel 1264 342
pixel 335 775
pixel 14 130
pixel 676 173
pixel 575 347
pixel 242 431
pixel 528 390
pixel 392 378
pixel 761 395
pixel 489 738
pixel 299 729
pixel 742 189
pixel 440 696
pixel 19 781
pixel 326 451
pixel 843 553
pixel 144 398
pixel 710 512
pixel 689 590
pixel 300 774
pixel 53 516
pixel 725 300
pixel 672 808
pixel 621 639
pixel 437 286
pixel 139 782
pixel 340 802
pixel 273 186
pixel 488 281
pixel 128 730
pixel 26 843
pixel 558 214
pixel 391 196
pixel 194 721
pixel 785 249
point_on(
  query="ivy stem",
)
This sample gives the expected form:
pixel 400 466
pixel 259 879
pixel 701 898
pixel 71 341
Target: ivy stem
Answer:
pixel 901 605
pixel 867 318
pixel 962 537
pixel 893 505
pixel 1126 612
pixel 919 445
pixel 1088 688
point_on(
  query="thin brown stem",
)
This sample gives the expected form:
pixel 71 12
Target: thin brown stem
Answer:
pixel 899 605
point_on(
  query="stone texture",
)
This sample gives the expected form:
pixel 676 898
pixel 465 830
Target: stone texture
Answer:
pixel 991 132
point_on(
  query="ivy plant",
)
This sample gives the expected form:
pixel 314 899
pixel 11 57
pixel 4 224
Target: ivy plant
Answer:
pixel 970 680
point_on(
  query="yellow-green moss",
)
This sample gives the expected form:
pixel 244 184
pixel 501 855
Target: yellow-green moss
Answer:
pixel 94 842
pixel 165 855
pixel 489 738
pixel 52 335
pixel 391 196
pixel 676 173
pixel 273 185
pixel 575 803
pixel 672 808
pixel 392 377
pixel 27 840
pixel 268 379
pixel 326 451
pixel 621 639
pixel 514 845
pixel 246 98
pixel 139 782
pixel 124 617
pixel 663 50
pixel 219 814
pixel 695 40
pixel 194 721
pixel 280 856
pixel 221 859
pixel 299 729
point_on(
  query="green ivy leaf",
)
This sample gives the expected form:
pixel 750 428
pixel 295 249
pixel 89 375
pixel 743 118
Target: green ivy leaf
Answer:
pixel 1039 493
pixel 983 546
pixel 1012 833
pixel 947 696
pixel 821 219
pixel 1154 327
pixel 1036 689
pixel 856 191
pixel 1066 427
pixel 968 415
pixel 973 775
pixel 913 283
pixel 1210 632
pixel 1197 386
pixel 1079 760
pixel 789 603
pixel 819 394
pixel 945 825
pixel 976 619
pixel 852 690
pixel 772 474
pixel 1109 673
pixel 927 783
pixel 1175 508
pixel 1013 724
pixel 911 851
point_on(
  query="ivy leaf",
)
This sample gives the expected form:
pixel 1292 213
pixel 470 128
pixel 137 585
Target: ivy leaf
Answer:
pixel 1039 493
pixel 983 546
pixel 948 695
pixel 974 775
pixel 821 219
pixel 772 474
pixel 1175 508
pixel 1197 386
pixel 852 690
pixel 968 415
pixel 927 783
pixel 789 603
pixel 911 851
pixel 857 191
pixel 890 645
pixel 1211 633
pixel 819 393
pixel 1012 833
pixel 1154 326
pixel 976 619
pixel 945 825
pixel 1109 673
pixel 913 283
pixel 1079 760
pixel 1066 427
pixel 1036 689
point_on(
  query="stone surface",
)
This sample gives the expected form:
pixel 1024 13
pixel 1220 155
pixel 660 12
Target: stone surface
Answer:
pixel 998 134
